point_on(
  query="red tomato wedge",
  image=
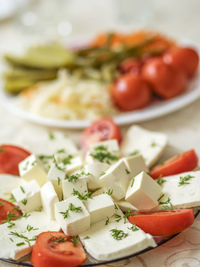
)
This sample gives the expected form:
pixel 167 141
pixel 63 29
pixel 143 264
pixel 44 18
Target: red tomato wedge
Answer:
pixel 10 157
pixel 100 130
pixel 164 222
pixel 54 249
pixel 184 162
pixel 8 211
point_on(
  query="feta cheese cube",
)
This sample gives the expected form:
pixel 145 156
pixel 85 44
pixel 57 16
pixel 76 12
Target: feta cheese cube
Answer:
pixel 100 207
pixel 116 180
pixel 72 216
pixel 28 196
pixel 7 184
pixel 14 247
pixel 95 170
pixel 143 192
pixel 183 190
pixel 56 175
pixel 135 165
pixel 149 144
pixel 31 169
pixel 99 192
pixel 125 205
pixel 69 185
pixel 104 152
pixel 100 242
pixel 49 198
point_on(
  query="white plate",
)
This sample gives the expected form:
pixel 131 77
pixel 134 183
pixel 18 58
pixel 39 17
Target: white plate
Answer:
pixel 157 109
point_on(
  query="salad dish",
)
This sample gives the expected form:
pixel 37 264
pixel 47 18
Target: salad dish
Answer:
pixel 107 201
pixel 118 75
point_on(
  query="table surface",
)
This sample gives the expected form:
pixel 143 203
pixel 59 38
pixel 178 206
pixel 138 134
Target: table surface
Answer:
pixel 179 18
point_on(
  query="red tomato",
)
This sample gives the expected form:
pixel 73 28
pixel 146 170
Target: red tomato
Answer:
pixel 10 156
pixel 131 65
pixel 185 59
pixel 8 211
pixel 54 249
pixel 130 92
pixel 166 81
pixel 100 130
pixel 164 222
pixel 184 162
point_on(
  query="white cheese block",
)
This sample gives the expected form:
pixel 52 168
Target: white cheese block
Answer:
pixel 101 245
pixel 49 198
pixel 7 184
pixel 104 147
pixel 68 187
pixel 13 247
pixel 125 205
pixel 74 222
pixel 135 165
pixel 186 195
pixel 95 170
pixel 116 180
pixel 99 192
pixel 56 175
pixel 28 196
pixel 32 169
pixel 149 144
pixel 100 207
pixel 143 192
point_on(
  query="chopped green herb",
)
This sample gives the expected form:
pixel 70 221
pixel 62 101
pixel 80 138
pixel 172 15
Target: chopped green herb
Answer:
pixel 166 205
pixel 161 196
pixel 118 234
pixel 133 181
pixel 1 204
pixel 65 213
pixel 86 237
pixel 22 189
pixel 117 217
pixel 67 160
pixel 75 240
pixel 107 221
pixel 26 239
pixel 60 151
pixel 24 201
pixel 58 180
pixel 185 180
pixel 134 153
pixel 74 177
pixel 161 162
pixel 1 150
pixel 20 244
pixel 103 155
pixel 127 171
pixel 82 196
pixel 51 136
pixel 160 181
pixel 134 228
pixel 109 192
pixel 102 173
pixel 126 215
pixel 74 209
pixel 116 208
pixel 10 224
pixel 42 157
pixel 58 239
pixel 153 144
pixel 56 164
pixel 11 239
pixel 30 228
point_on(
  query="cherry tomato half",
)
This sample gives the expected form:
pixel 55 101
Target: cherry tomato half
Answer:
pixel 130 92
pixel 55 249
pixel 166 81
pixel 100 130
pixel 10 157
pixel 185 59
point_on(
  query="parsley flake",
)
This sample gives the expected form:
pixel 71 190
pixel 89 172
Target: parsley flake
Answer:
pixel 102 154
pixel 185 180
pixel 160 181
pixel 75 240
pixel 82 196
pixel 133 228
pixel 118 234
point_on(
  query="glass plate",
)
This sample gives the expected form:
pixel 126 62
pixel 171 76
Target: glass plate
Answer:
pixel 93 262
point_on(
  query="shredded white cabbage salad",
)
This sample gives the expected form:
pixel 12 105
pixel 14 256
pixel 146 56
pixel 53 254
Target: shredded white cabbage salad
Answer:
pixel 69 98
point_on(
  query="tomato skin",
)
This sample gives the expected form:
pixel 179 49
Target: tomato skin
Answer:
pixel 47 253
pixel 184 162
pixel 100 130
pixel 165 80
pixel 130 92
pixel 7 208
pixel 131 65
pixel 164 223
pixel 10 157
pixel 185 59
